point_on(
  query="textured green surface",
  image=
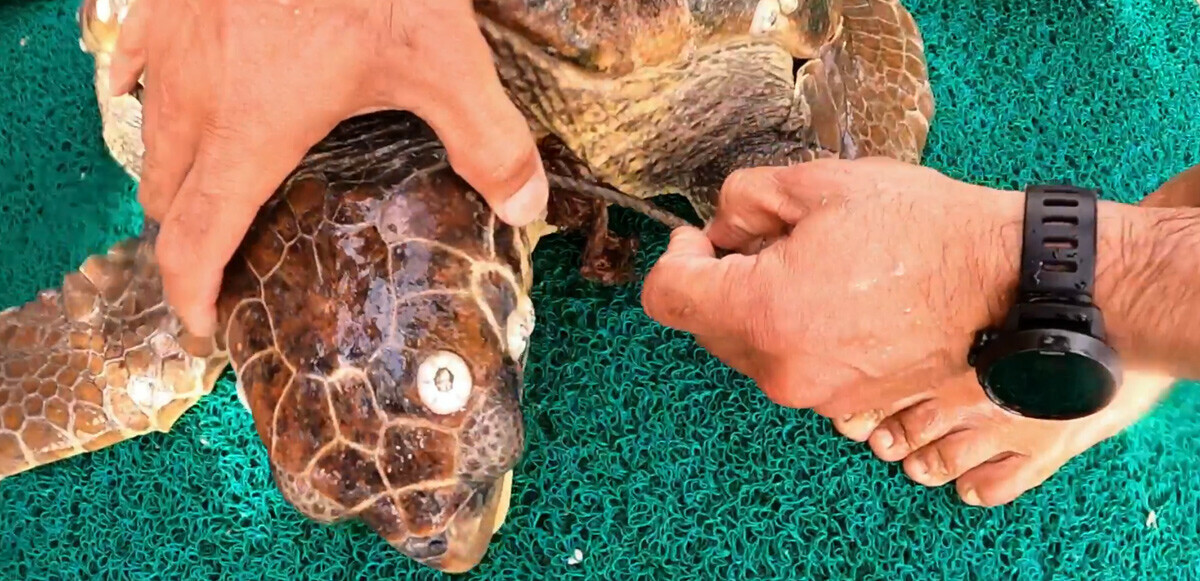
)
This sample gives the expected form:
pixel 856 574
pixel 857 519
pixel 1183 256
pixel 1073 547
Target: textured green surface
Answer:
pixel 643 452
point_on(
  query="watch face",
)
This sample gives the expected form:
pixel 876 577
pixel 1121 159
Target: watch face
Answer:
pixel 1052 385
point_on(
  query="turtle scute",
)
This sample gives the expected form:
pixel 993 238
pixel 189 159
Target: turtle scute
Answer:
pixel 376 319
pixel 617 36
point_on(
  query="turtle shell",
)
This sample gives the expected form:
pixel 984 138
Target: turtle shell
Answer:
pixel 619 36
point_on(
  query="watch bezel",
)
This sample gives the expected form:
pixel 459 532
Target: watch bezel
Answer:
pixel 1051 342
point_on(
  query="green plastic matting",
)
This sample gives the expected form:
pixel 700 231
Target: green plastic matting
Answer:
pixel 644 453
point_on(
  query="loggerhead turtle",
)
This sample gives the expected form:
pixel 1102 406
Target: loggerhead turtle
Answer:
pixel 377 314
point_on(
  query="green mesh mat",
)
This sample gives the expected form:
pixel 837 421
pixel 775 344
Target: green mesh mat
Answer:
pixel 644 453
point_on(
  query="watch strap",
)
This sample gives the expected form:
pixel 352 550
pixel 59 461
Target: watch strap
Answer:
pixel 1058 254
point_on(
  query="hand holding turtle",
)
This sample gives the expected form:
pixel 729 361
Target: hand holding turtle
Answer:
pixel 874 276
pixel 236 92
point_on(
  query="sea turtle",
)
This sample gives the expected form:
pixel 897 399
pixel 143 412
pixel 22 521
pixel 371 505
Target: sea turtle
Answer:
pixel 377 315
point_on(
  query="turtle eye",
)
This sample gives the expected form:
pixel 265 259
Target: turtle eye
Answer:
pixel 444 382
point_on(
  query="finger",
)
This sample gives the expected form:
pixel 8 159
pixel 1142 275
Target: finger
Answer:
pixel 233 175
pixel 130 56
pixel 1181 191
pixel 691 290
pixel 171 135
pixel 755 207
pixel 487 139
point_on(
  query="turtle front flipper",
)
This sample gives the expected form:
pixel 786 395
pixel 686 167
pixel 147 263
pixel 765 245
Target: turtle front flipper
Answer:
pixel 98 361
pixel 867 93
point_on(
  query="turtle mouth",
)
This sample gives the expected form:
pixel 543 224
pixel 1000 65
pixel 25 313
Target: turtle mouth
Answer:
pixel 464 542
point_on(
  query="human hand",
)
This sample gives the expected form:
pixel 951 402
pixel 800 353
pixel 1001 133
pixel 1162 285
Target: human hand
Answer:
pixel 872 279
pixel 236 92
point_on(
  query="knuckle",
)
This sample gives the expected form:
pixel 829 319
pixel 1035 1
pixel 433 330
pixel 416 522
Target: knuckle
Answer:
pixel 171 256
pixel 941 458
pixel 653 289
pixel 514 164
pixel 740 184
pixel 663 303
pixel 783 393
pixel 786 387
pixel 917 422
pixel 776 390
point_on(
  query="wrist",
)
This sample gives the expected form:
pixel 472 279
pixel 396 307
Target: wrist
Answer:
pixel 1147 262
pixel 1146 259
pixel 1043 352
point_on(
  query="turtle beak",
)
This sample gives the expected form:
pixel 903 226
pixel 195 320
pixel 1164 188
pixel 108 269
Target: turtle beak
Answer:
pixel 462 546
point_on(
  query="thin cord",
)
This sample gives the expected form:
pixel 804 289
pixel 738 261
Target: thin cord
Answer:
pixel 615 197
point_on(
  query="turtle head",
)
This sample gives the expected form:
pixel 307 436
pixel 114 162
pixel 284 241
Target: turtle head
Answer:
pixel 464 319
pixel 404 410
pixel 378 315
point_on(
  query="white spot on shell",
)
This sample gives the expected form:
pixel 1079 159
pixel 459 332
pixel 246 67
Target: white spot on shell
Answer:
pixel 519 327
pixel 444 383
pixel 766 14
pixel 141 391
pixel 393 223
pixel 103 10
pixel 789 6
pixel 575 558
pixel 148 393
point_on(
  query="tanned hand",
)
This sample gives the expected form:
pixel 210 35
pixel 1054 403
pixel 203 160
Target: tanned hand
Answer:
pixel 874 275
pixel 236 91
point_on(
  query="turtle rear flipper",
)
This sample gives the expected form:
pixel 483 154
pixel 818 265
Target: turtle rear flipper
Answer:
pixel 868 93
pixel 607 256
pixel 98 361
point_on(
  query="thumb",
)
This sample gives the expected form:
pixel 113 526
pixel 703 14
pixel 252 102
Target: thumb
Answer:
pixel 1181 191
pixel 487 139
pixel 690 289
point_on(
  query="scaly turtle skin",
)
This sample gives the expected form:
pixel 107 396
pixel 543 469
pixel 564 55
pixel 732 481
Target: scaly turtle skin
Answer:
pixel 377 313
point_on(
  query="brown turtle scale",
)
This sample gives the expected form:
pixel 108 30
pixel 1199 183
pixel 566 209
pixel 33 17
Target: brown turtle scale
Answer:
pixel 377 313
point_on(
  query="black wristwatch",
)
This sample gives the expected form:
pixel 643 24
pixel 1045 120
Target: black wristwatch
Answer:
pixel 1049 360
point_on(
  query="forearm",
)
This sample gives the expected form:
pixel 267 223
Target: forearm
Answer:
pixel 1148 286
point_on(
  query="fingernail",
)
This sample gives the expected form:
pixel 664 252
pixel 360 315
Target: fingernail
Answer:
pixel 970 497
pixel 528 203
pixel 885 439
